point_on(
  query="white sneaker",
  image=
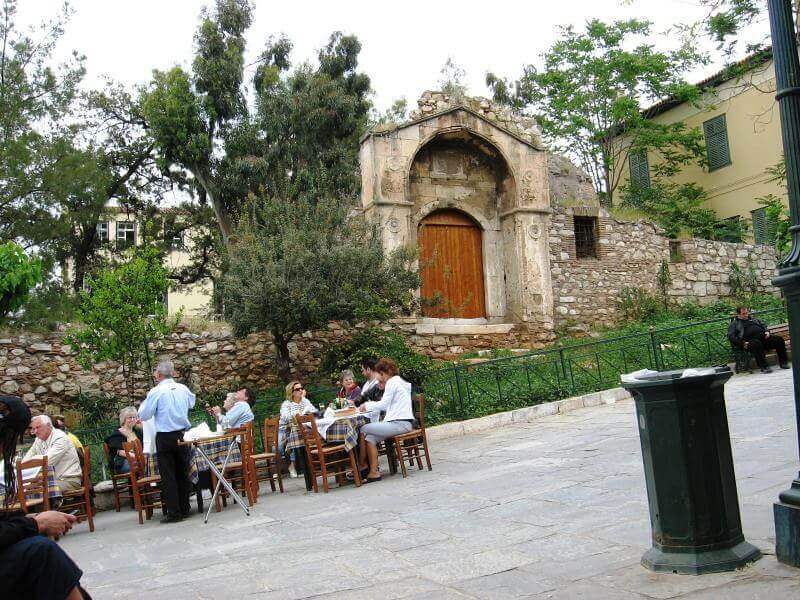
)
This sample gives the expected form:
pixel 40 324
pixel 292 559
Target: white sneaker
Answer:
pixel 293 471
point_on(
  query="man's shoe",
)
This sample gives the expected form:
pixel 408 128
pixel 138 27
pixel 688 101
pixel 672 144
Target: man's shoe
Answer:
pixel 766 370
pixel 785 366
pixel 171 519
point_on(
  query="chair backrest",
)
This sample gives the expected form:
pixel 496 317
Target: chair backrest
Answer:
pixel 270 434
pixel 311 437
pixel 133 452
pixel 245 434
pixel 86 466
pixel 107 452
pixel 419 409
pixel 35 485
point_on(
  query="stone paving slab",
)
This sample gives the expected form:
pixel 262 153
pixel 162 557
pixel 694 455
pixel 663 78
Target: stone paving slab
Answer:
pixel 554 508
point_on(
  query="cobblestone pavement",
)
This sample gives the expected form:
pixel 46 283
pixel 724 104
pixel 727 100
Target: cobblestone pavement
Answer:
pixel 551 509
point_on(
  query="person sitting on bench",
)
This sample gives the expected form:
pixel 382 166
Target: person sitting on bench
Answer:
pixel 747 333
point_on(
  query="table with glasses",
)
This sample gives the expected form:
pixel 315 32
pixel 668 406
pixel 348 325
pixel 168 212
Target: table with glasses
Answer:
pixel 53 490
pixel 199 472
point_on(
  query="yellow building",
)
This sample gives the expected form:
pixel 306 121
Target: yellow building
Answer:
pixel 121 229
pixel 741 125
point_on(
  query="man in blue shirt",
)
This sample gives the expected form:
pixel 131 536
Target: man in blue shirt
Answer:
pixel 240 413
pixel 169 403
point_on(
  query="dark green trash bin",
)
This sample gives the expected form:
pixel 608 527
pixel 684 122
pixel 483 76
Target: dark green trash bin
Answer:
pixel 688 466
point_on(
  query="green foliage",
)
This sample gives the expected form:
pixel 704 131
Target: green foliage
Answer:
pixel 588 98
pixel 637 304
pixel 298 265
pixel 743 282
pixel 681 208
pixel 452 79
pixel 374 343
pixel 664 280
pixel 18 274
pixel 396 114
pixel 36 97
pixel 121 314
pixel 727 19
pixel 48 306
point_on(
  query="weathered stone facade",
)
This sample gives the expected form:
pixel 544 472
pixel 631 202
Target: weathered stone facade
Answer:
pixel 45 373
pixel 630 254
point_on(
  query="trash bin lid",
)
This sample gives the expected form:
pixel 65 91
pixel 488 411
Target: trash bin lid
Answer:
pixel 677 377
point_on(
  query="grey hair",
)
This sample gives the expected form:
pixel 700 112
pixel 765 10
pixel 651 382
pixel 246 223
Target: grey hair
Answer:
pixel 166 368
pixel 43 419
pixel 348 373
pixel 127 412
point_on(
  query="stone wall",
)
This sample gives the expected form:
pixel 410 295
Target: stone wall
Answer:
pixel 629 254
pixel 45 373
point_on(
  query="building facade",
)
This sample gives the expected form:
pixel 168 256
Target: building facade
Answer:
pixel 739 119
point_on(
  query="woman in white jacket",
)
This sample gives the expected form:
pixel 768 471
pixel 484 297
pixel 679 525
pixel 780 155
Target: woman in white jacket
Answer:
pixel 296 403
pixel 399 417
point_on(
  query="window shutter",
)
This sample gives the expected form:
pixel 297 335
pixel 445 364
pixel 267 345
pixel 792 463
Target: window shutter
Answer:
pixel 760 233
pixel 717 149
pixel 640 169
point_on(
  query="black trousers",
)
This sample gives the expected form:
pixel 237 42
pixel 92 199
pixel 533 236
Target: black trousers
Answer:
pixel 758 348
pixel 173 465
pixel 36 568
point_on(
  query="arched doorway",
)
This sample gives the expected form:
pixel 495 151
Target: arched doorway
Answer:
pixel 451 266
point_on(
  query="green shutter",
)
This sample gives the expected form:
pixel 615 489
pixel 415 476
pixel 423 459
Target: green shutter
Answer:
pixel 640 169
pixel 717 150
pixel 760 233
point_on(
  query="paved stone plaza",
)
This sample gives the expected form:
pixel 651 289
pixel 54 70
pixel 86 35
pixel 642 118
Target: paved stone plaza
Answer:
pixel 552 509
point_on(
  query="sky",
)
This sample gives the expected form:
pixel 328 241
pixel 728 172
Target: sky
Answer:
pixel 404 44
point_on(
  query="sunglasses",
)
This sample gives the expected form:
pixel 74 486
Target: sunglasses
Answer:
pixel 298 389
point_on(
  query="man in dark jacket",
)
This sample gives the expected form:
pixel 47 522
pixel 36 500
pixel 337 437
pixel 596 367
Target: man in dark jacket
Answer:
pixel 31 565
pixel 751 334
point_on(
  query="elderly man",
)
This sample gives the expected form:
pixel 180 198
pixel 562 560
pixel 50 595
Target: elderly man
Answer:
pixel 61 453
pixel 168 403
pixel 238 409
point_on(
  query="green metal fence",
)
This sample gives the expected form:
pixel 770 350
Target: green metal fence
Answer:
pixel 463 391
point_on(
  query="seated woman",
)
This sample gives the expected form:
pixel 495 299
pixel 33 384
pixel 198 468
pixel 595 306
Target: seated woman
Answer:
pixel 350 390
pixel 129 431
pixel 296 403
pixel 399 417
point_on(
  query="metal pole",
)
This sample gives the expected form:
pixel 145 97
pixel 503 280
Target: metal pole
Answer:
pixel 787 79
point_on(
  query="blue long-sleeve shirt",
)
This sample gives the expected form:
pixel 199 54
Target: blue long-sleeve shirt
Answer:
pixel 239 414
pixel 169 402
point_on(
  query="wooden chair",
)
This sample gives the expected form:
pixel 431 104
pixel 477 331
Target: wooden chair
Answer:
pixel 146 490
pixel 413 441
pixel 238 474
pixel 81 499
pixel 266 466
pixel 325 460
pixel 120 482
pixel 29 487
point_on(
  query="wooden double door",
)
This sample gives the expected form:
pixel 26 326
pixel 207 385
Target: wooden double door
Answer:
pixel 451 266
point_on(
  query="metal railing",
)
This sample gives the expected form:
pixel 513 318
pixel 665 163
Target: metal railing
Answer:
pixel 467 390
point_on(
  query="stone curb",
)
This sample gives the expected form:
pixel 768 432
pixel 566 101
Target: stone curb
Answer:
pixel 526 415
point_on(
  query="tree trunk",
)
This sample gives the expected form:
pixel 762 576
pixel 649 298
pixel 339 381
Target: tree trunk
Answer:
pixel 223 219
pixel 282 359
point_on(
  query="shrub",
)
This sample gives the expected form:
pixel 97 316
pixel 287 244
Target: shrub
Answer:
pixel 374 343
pixel 637 304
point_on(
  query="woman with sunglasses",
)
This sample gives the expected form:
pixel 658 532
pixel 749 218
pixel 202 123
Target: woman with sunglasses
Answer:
pixel 296 403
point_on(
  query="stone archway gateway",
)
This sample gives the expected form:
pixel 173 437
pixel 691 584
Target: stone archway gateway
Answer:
pixel 451 266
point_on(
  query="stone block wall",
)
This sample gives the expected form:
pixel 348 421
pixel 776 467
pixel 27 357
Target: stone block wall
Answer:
pixel 45 373
pixel 629 254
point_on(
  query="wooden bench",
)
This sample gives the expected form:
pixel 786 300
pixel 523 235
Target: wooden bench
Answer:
pixel 743 359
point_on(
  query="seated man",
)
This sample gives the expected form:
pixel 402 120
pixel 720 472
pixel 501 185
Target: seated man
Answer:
pixel 238 410
pixel 31 565
pixel 751 334
pixel 61 454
